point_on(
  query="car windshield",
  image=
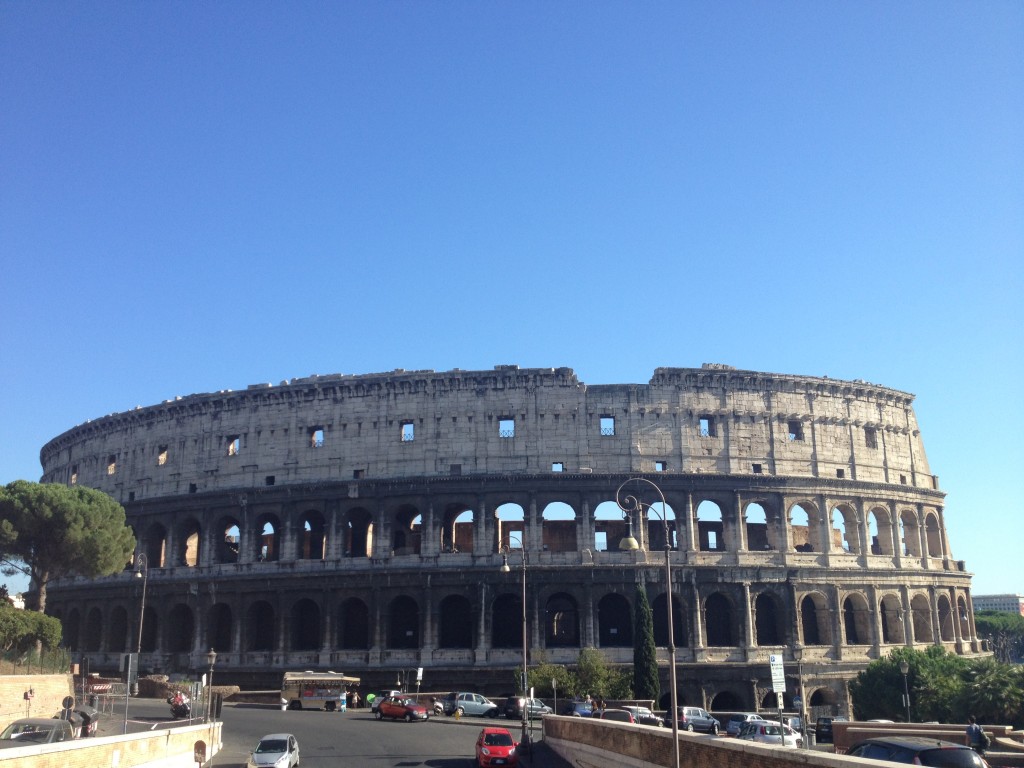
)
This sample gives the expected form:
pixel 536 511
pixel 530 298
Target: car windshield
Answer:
pixel 498 740
pixel 272 745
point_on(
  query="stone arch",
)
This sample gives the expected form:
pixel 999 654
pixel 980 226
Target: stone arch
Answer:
pixel 506 621
pixel 354 625
pixel 945 619
pixel 880 531
pixel 892 619
pixel 710 527
pixel 659 607
pixel 610 527
pixel 227 541
pixel 190 543
pixel 117 630
pixel 910 537
pixel 459 524
pixel 306 625
pixel 154 545
pixel 403 623
pixel 558 523
pixel 614 622
pixel 93 630
pixel 268 538
pixel 219 627
pixel 814 619
pixel 456 618
pixel 843 530
pixel 719 620
pixel 803 517
pixel 769 620
pixel 509 526
pixel 856 620
pixel 358 525
pixel 181 625
pixel 72 629
pixel 562 625
pixel 312 532
pixel 406 531
pixel 150 629
pixel 759 537
pixel 933 535
pixel 726 701
pixel 963 617
pixel 921 612
pixel 261 624
pixel 656 527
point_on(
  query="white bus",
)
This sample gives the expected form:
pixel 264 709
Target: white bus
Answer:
pixel 316 690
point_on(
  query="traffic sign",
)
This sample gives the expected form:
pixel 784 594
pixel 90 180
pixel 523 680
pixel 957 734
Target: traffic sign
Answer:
pixel 778 673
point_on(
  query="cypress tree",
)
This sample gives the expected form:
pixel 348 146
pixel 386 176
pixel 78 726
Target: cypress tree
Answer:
pixel 646 680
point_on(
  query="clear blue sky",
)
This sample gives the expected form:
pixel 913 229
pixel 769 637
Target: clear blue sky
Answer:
pixel 198 196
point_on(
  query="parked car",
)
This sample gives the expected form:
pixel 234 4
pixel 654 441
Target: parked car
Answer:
pixel 616 715
pixel 401 708
pixel 823 729
pixel 275 750
pixel 36 730
pixel 767 732
pixel 495 746
pixel 695 719
pixel 917 750
pixel 643 716
pixel 469 704
pixel 375 698
pixel 578 709
pixel 513 708
pixel 732 725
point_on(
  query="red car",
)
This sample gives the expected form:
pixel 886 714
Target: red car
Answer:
pixel 401 708
pixel 495 746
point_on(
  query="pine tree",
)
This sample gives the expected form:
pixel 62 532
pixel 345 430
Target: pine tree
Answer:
pixel 646 680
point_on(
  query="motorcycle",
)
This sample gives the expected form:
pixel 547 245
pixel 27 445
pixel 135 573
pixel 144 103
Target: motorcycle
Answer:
pixel 180 705
pixel 438 707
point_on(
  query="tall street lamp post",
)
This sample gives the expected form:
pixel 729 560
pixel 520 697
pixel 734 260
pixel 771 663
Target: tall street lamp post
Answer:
pixel 904 670
pixel 505 550
pixel 798 654
pixel 630 504
pixel 141 572
pixel 211 659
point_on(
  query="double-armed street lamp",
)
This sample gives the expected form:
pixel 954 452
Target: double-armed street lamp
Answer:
pixel 505 550
pixel 904 670
pixel 631 503
pixel 132 683
pixel 211 659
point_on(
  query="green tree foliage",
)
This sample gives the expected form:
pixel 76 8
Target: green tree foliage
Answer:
pixel 595 676
pixel 1005 631
pixel 50 531
pixel 943 686
pixel 646 680
pixel 20 631
pixel 541 676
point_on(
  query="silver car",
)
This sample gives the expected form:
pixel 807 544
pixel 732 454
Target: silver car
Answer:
pixel 732 727
pixel 465 703
pixel 275 750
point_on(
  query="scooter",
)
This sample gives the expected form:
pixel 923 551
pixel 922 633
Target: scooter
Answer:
pixel 180 705
pixel 438 708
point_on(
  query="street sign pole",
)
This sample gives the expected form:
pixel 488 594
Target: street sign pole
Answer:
pixel 779 686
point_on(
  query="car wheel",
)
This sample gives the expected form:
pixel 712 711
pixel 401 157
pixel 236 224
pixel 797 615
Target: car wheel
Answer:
pixel 295 705
pixel 689 727
pixel 460 712
pixel 378 715
pixel 408 717
pixel 491 712
pixel 714 730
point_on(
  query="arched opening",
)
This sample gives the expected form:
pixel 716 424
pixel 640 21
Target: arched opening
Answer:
pixel 856 620
pixel 354 625
pixel 456 631
pixel 945 619
pixel 188 552
pixel 768 620
pixel 726 701
pixel 814 620
pixel 306 632
pixel 563 622
pixel 457 530
pixel 150 629
pixel 559 527
pixel 219 627
pixel 710 527
pixel 506 621
pixel 312 536
pixel 155 546
pixel 614 622
pixel 880 530
pixel 659 607
pixel 268 542
pixel 921 611
pixel 117 631
pixel 358 528
pixel 933 535
pixel 758 539
pixel 404 623
pixel 800 532
pixel 406 530
pixel 93 630
pixel 656 528
pixel 892 620
pixel 844 530
pixel 228 541
pixel 910 534
pixel 718 618
pixel 260 626
pixel 963 617
pixel 609 526
pixel 180 629
pixel 509 526
pixel 72 625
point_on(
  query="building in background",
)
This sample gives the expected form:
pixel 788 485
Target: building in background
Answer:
pixel 1005 603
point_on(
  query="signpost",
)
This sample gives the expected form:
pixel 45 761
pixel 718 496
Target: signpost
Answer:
pixel 779 686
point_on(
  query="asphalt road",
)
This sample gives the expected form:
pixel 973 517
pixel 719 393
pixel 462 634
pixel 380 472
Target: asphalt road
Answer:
pixel 354 739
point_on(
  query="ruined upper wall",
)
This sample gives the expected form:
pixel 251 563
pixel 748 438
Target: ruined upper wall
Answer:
pixel 404 424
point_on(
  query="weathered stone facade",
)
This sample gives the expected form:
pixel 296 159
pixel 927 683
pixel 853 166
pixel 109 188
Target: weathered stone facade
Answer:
pixel 354 523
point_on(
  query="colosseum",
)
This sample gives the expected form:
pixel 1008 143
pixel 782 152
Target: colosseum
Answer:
pixel 359 523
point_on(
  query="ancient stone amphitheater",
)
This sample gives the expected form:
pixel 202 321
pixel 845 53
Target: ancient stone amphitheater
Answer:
pixel 356 523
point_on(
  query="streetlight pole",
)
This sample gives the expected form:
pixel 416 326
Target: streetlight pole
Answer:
pixel 904 669
pixel 798 652
pixel 211 659
pixel 141 572
pixel 505 549
pixel 629 504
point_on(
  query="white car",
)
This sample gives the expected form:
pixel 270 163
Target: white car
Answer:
pixel 275 750
pixel 767 732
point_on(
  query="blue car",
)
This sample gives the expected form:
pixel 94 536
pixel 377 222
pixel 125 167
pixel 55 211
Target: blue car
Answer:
pixel 579 709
